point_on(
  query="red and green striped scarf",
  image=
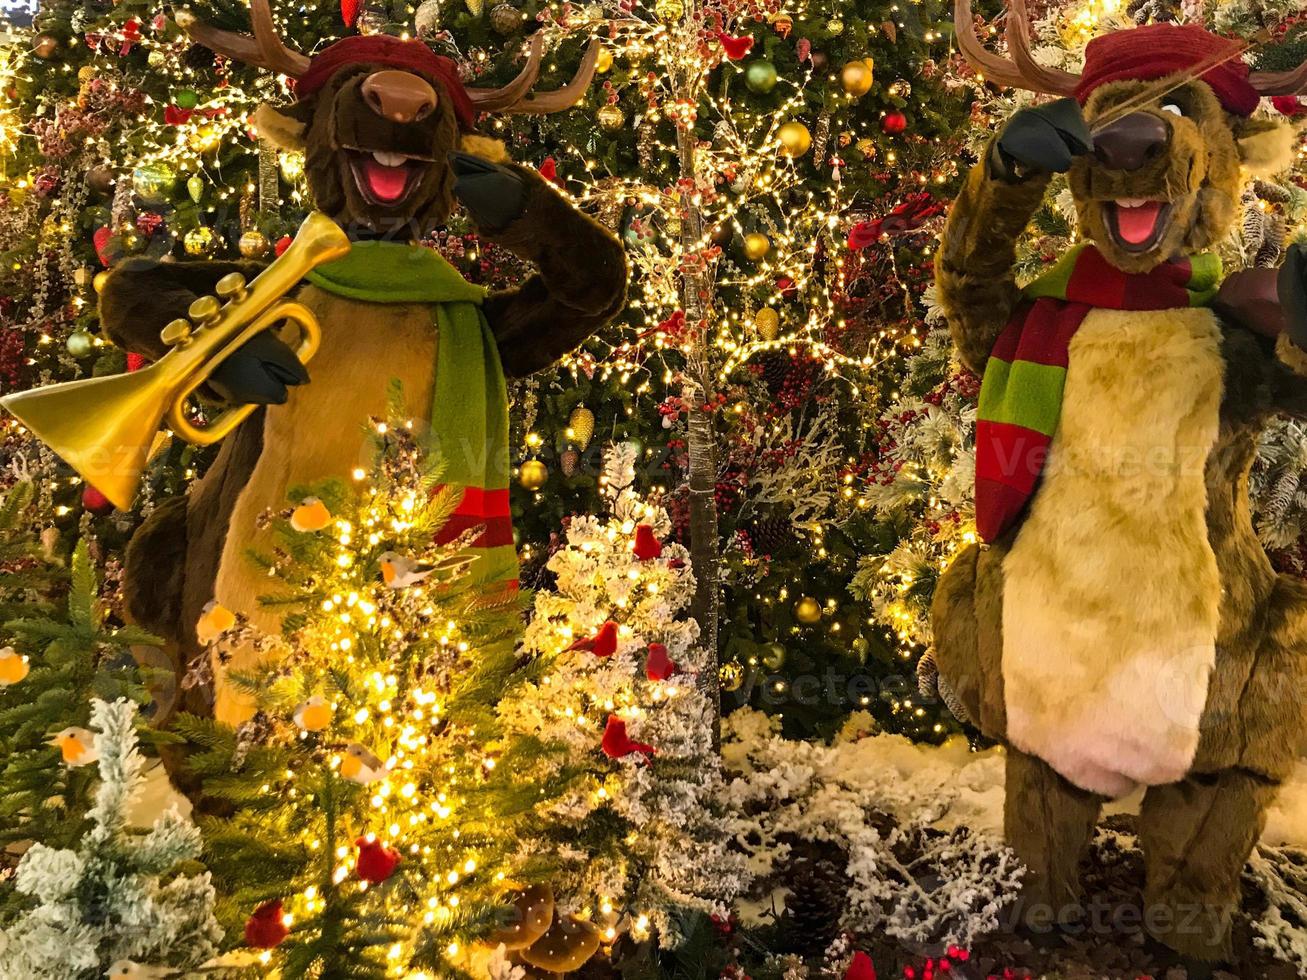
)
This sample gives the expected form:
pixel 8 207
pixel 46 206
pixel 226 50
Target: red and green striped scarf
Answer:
pixel 469 412
pixel 1021 396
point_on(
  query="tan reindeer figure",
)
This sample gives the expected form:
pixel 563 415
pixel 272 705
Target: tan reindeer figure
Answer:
pixel 387 129
pixel 1120 626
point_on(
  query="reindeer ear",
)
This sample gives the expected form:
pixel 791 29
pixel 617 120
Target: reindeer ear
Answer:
pixel 280 126
pixel 484 147
pixel 1266 147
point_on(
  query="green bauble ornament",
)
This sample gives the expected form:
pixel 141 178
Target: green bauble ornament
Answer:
pixel 637 445
pixel 152 182
pixel 195 188
pixel 198 241
pixel 835 26
pixel 80 343
pixel 186 98
pixel 760 76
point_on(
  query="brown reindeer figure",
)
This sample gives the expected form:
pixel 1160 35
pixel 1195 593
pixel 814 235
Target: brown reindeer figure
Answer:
pixel 1120 626
pixel 386 127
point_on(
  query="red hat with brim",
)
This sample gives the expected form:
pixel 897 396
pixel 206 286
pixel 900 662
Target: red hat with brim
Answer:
pixel 1144 54
pixel 382 49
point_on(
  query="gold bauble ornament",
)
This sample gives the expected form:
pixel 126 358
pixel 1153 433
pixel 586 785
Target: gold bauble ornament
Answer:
pixel 611 117
pixel 86 73
pixel 80 343
pixel 252 244
pixel 867 147
pixel 807 610
pixel 533 474
pixel 505 18
pixel 669 10
pixel 156 59
pixel 773 656
pixel 768 323
pixel 795 139
pixel 100 279
pixel 856 77
pixel 604 61
pixel 900 88
pixel 45 45
pixel 756 246
pixel 731 676
pixel 582 424
pixel 198 241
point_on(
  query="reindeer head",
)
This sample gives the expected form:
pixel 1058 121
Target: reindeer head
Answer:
pixel 1165 173
pixel 377 116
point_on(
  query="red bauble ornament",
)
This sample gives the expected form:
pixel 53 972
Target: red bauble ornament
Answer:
pixel 349 11
pixel 96 502
pixel 617 744
pixel 265 928
pixel 283 243
pixel 658 665
pixel 647 547
pixel 549 170
pixel 861 968
pixel 136 361
pixel 376 862
pixel 785 286
pixel 602 644
pixel 893 123
pixel 101 242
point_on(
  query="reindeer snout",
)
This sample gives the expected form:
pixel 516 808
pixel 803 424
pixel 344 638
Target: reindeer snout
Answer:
pixel 399 96
pixel 1131 141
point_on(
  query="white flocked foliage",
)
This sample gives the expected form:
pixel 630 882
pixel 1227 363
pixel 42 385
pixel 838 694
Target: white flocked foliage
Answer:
pixel 675 856
pixel 116 897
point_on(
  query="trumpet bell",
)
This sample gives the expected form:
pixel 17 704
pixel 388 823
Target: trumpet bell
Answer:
pixel 101 427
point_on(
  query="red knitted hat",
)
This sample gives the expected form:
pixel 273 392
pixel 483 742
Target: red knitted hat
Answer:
pixel 382 49
pixel 1144 54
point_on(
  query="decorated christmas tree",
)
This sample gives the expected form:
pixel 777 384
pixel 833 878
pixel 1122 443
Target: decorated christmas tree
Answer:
pixel 638 836
pixel 115 901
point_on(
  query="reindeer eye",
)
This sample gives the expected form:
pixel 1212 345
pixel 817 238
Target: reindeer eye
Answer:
pixel 1172 108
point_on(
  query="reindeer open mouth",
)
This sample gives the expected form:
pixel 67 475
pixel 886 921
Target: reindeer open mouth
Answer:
pixel 384 177
pixel 1136 224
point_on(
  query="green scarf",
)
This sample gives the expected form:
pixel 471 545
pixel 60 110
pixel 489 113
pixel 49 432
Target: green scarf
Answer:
pixel 469 411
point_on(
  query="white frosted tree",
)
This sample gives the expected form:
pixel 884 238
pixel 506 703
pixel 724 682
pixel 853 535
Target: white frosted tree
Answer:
pixel 639 836
pixel 118 896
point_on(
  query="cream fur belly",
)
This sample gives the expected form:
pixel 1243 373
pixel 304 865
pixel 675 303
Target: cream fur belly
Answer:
pixel 320 434
pixel 1111 589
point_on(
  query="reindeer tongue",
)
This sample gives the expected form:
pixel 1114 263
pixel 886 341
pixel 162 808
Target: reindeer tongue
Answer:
pixel 387 184
pixel 1136 224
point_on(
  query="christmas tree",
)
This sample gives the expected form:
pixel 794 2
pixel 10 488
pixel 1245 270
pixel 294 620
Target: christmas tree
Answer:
pixel 116 898
pixel 57 657
pixel 639 835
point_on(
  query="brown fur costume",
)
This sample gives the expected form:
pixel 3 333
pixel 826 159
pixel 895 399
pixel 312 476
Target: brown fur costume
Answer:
pixel 1151 573
pixel 190 551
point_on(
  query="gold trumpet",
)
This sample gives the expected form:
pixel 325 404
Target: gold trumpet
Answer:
pixel 104 427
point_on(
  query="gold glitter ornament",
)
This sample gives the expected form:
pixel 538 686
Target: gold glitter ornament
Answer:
pixel 768 323
pixel 582 424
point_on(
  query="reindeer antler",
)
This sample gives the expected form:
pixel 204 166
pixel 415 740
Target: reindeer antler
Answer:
pixel 517 97
pixel 1021 71
pixel 264 50
pixel 1291 82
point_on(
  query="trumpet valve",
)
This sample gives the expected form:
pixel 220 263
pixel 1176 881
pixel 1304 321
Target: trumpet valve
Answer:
pixel 204 310
pixel 231 287
pixel 177 333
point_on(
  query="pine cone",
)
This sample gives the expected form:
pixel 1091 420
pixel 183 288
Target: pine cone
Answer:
pixel 776 366
pixel 770 535
pixel 197 57
pixel 818 886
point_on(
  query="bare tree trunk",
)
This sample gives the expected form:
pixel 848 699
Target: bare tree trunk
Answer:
pixel 697 388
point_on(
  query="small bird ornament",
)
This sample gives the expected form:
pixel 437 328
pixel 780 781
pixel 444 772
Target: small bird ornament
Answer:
pixel 399 572
pixel 311 515
pixel 314 714
pixel 131 970
pixel 13 667
pixel 361 765
pixel 215 620
pixel 76 746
